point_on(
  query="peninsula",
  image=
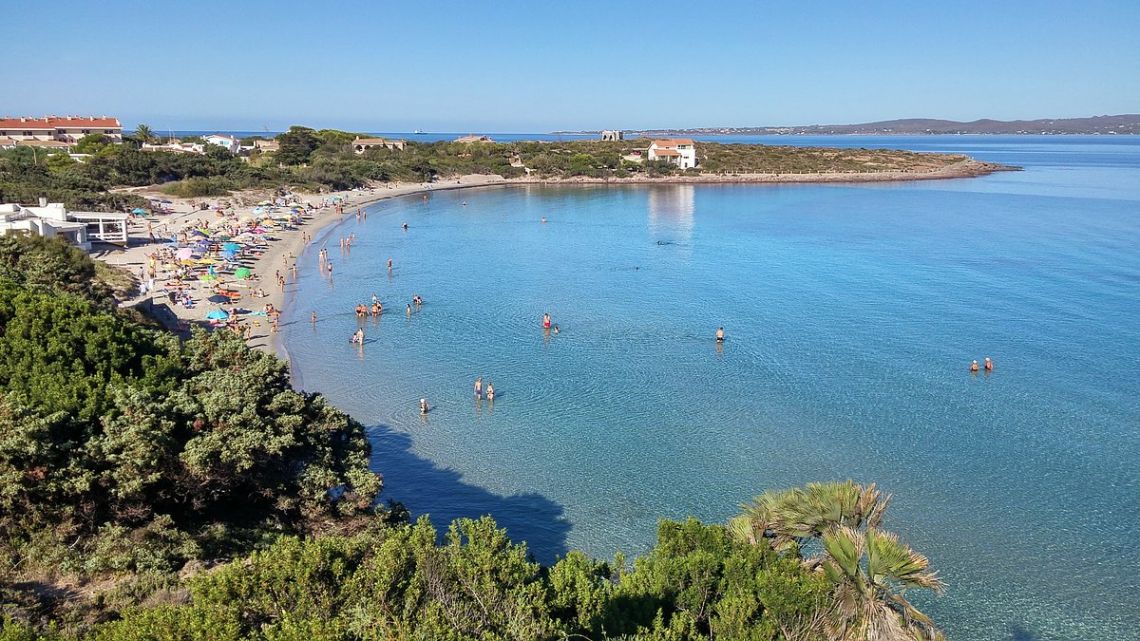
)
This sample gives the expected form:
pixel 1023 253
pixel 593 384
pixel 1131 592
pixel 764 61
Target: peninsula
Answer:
pixel 1095 125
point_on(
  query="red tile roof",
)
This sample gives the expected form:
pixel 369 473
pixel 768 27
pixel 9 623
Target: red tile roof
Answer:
pixel 666 152
pixel 60 122
pixel 673 142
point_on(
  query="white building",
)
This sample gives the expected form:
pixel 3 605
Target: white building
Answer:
pixel 678 151
pixel 613 134
pixel 53 220
pixel 231 144
pixel 65 129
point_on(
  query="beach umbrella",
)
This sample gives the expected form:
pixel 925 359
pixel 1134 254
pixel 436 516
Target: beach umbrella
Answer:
pixel 198 232
pixel 231 247
pixel 184 254
pixel 217 314
pixel 243 273
pixel 207 277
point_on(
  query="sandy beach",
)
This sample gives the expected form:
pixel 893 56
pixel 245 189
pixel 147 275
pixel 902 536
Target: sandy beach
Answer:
pixel 281 248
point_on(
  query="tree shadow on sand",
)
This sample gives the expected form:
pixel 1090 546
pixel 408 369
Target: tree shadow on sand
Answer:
pixel 425 488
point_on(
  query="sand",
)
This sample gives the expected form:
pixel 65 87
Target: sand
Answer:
pixel 283 250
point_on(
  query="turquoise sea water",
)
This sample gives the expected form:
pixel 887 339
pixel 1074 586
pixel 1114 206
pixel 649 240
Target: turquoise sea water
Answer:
pixel 852 313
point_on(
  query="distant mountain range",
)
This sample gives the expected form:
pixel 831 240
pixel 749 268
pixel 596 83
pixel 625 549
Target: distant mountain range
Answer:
pixel 1108 125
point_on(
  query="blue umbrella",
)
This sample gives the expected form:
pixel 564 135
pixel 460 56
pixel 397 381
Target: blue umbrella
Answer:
pixel 231 247
pixel 217 314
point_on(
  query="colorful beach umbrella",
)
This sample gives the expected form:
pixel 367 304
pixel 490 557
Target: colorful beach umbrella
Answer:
pixel 231 247
pixel 243 273
pixel 217 314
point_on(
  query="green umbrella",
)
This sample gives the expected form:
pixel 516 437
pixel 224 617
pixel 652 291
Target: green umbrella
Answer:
pixel 242 272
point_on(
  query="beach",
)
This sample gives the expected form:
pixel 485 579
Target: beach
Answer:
pixel 282 249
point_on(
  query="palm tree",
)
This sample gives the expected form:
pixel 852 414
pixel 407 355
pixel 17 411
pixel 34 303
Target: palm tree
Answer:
pixel 871 571
pixel 144 133
pixel 806 513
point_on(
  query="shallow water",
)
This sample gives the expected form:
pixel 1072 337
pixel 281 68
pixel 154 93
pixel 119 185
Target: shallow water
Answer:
pixel 851 313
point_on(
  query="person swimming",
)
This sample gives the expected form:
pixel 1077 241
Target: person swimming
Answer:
pixel 424 407
pixel 989 365
pixel 408 310
pixel 406 224
pixel 555 330
pixel 974 366
pixel 479 387
pixel 720 335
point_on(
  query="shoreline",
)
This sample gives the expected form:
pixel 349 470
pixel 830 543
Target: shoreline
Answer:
pixel 288 246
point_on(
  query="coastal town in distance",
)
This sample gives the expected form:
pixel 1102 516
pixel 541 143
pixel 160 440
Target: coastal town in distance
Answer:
pixel 546 323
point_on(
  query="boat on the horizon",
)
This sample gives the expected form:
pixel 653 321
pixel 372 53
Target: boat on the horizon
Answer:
pixel 418 132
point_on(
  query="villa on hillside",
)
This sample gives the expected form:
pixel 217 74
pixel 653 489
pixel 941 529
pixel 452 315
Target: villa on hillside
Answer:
pixel 226 141
pixel 361 145
pixel 678 151
pixel 53 220
pixel 67 130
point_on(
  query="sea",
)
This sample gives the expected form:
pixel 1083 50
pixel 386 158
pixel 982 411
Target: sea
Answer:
pixel 852 313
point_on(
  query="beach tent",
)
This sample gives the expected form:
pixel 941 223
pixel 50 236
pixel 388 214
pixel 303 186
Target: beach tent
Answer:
pixel 217 314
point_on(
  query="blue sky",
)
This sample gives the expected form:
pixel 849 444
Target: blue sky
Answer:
pixel 540 66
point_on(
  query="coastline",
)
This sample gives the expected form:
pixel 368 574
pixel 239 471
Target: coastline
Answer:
pixel 289 246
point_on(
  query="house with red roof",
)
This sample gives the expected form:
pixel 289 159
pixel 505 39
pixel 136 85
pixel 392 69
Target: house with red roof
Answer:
pixel 678 151
pixel 57 129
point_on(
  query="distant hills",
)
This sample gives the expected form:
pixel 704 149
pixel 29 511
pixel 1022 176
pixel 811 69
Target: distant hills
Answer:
pixel 1107 125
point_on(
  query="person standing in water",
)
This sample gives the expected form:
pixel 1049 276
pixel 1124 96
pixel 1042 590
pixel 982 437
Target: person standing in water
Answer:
pixel 389 264
pixel 313 317
pixel 974 367
pixel 720 335
pixel 491 392
pixel 424 408
pixel 479 388
pixel 546 321
pixel 408 310
pixel 989 366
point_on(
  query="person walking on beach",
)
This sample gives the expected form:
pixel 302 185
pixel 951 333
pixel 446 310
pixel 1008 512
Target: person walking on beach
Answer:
pixel 479 388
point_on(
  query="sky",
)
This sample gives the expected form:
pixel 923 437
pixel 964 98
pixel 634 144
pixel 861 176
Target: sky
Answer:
pixel 539 66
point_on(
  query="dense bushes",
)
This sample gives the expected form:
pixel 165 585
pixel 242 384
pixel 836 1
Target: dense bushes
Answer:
pixel 399 583
pixel 112 433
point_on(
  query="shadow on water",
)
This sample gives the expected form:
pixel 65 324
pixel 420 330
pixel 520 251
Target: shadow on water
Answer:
pixel 1018 633
pixel 425 488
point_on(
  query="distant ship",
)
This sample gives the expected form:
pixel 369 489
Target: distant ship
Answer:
pixel 418 132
